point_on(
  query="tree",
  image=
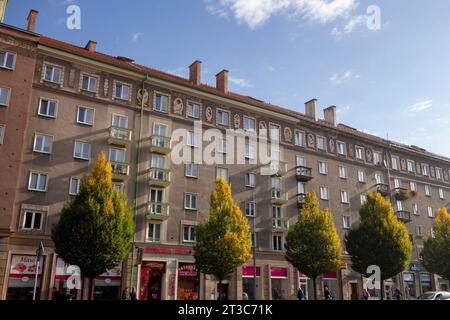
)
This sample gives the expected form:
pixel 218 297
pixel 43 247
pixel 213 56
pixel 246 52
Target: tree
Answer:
pixel 312 244
pixel 436 250
pixel 380 239
pixel 223 239
pixel 96 228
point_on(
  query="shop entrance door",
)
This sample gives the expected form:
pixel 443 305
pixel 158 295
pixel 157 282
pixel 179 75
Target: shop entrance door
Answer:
pixel 354 291
pixel 223 292
pixel 152 274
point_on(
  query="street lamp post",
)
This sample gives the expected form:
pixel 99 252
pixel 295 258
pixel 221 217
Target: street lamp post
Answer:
pixel 254 247
pixel 39 254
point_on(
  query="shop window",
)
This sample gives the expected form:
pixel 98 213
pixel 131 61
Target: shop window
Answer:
pixel 188 282
pixel 21 277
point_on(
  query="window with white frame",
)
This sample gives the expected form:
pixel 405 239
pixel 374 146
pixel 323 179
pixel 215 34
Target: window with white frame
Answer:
pixel 441 194
pixel 7 60
pixel 425 169
pixel 158 162
pixel 119 121
pixel 416 210
pixel 277 242
pixel 191 170
pixel 2 133
pixel 379 178
pixel 249 151
pixel 439 174
pixel 419 231
pixel 343 172
pixel 323 167
pixel 341 148
pixel 411 166
pixel 397 183
pixel 346 222
pixel 321 143
pixel 276 183
pixel 122 91
pixel 400 205
pixel 395 162
pixel 5 94
pixel 377 158
pixel 48 108
pixel 223 118
pixel 275 132
pixel 301 187
pixel 193 110
pixel 43 143
pixel 117 155
pixel 190 201
pixel 427 190
pixel 74 186
pixel 363 198
pixel 85 116
pixel 154 232
pixel 361 176
pixel 37 181
pixel 249 124
pixel 161 103
pixel 222 145
pixel 222 173
pixel 82 150
pixel 192 139
pixel 32 220
pixel 430 212
pixel 53 74
pixel 250 209
pixel 299 138
pixel 359 151
pixel 413 186
pixel 89 83
pixel 118 187
pixel 324 193
pixel 344 197
pixel 250 180
pixel 189 234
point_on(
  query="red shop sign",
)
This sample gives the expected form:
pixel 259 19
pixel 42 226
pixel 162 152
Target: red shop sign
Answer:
pixel 188 270
pixel 278 272
pixel 186 252
pixel 330 275
pixel 248 271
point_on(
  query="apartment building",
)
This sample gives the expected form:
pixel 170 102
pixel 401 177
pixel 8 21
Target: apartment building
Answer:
pixel 65 104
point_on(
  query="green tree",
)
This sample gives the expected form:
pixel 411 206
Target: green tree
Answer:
pixel 96 228
pixel 312 244
pixel 436 250
pixel 223 239
pixel 380 239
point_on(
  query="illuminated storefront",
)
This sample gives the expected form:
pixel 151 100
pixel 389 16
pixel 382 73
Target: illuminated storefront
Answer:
pixel 279 283
pixel 151 282
pixel 21 278
pixel 248 282
pixel 188 282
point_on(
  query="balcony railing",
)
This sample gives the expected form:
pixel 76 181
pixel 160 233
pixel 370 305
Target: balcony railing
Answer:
pixel 404 216
pixel 158 210
pixel 278 168
pixel 159 177
pixel 280 224
pixel 119 136
pixel 279 196
pixel 160 144
pixel 120 170
pixel 303 174
pixel 401 193
pixel 301 200
pixel 383 189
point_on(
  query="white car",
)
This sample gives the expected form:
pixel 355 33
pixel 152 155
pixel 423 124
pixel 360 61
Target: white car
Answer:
pixel 435 295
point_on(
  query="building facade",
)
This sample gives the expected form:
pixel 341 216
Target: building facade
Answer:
pixel 65 104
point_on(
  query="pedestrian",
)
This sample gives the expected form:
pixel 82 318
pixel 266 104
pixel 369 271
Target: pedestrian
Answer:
pixel 244 296
pixel 133 294
pixel 300 294
pixel 275 294
pixel 327 293
pixel 366 294
pixel 125 294
pixel 398 294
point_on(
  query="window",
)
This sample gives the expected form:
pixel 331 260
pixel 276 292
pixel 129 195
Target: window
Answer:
pixel 43 143
pixel 359 153
pixel 154 232
pixel 419 231
pixel 395 163
pixel 89 83
pixel 427 191
pixel 323 167
pixel 37 182
pixel 191 170
pixel 400 205
pixel 361 176
pixel 441 194
pixel 416 210
pixel 379 178
pixel 53 74
pixel 222 172
pixel 430 212
pixel 74 187
pixel 277 242
pixel 250 209
pixel 250 180
pixel 2 133
pixel 341 149
pixel 249 152
pixel 343 172
pixel 118 187
pixel 158 162
pixel 411 166
pixel 82 150
pixel 32 221
pixel 363 198
pixel 192 139
pixel 85 116
pixel 321 143
pixel 223 118
pixel 299 138
pixel 222 146
pixel 190 201
pixel 188 234
pixel 413 186
pixel 397 183
pixel 48 108
pixel 249 124
pixel 4 96
pixel 161 103
pixel 122 91
pixel 274 132
pixel 425 170
pixel 377 158
pixel 193 110
pixel 117 155
pixel 344 197
pixel 346 222
pixel 439 174
pixel 7 60
pixel 119 121
pixel 324 193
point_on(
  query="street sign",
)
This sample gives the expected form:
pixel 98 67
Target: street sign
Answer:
pixel 39 254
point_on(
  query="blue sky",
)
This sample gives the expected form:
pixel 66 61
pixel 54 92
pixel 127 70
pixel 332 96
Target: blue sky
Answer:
pixel 394 80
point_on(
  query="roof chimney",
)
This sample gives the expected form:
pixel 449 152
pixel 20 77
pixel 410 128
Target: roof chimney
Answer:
pixel 32 16
pixel 330 115
pixel 222 81
pixel 195 72
pixel 311 109
pixel 91 46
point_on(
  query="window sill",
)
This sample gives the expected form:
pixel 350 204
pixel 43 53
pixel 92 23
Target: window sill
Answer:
pixel 85 124
pixel 6 68
pixel 42 152
pixel 46 116
pixel 36 190
pixel 81 159
pixel 161 111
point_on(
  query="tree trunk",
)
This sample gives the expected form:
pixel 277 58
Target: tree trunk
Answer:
pixel 220 289
pixel 91 288
pixel 382 290
pixel 314 279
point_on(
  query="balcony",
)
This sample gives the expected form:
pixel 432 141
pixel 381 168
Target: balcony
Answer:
pixel 158 211
pixel 404 216
pixel 279 168
pixel 160 144
pixel 303 174
pixel 120 170
pixel 401 193
pixel 301 200
pixel 159 177
pixel 119 136
pixel 383 189
pixel 279 196
pixel 280 224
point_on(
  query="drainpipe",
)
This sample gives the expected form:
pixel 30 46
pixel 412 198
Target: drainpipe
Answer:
pixel 136 185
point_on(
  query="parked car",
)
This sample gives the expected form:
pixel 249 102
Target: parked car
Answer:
pixel 435 295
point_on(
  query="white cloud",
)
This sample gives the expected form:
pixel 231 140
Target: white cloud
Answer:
pixel 135 36
pixel 337 78
pixel 421 105
pixel 351 25
pixel 255 13
pixel 240 82
pixel 343 110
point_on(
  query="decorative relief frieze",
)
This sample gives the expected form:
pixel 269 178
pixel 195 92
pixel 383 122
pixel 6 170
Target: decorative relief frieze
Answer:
pixel 139 97
pixel 351 151
pixel 209 114
pixel 288 134
pixel 369 155
pixel 403 164
pixel 433 172
pixel 106 87
pixel 13 42
pixel 72 78
pixel 418 169
pixel 178 106
pixel 262 125
pixel 237 121
pixel 332 145
pixel 311 141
